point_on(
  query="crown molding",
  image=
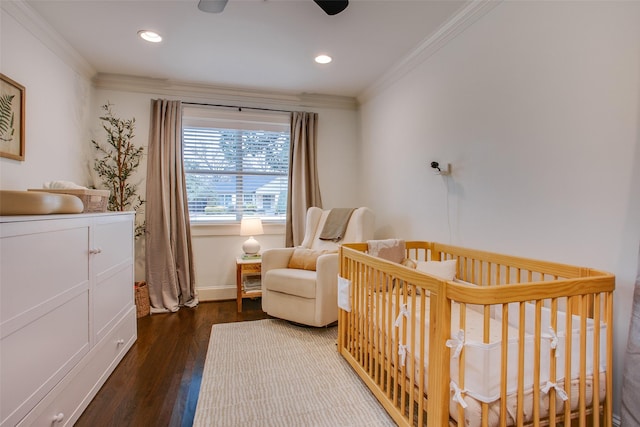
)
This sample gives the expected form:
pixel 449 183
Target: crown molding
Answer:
pixel 199 92
pixel 41 30
pixel 465 17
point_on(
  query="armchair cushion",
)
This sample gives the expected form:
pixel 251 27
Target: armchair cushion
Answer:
pixel 292 281
pixel 305 259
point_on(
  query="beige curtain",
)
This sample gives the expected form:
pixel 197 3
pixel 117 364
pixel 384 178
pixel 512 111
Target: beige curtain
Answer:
pixel 304 188
pixel 169 261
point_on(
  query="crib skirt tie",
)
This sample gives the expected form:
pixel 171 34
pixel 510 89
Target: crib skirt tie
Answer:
pixel 554 339
pixel 402 352
pixel 457 394
pixel 559 390
pixel 457 343
pixel 404 311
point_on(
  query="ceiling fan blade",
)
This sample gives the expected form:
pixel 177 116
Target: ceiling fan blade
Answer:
pixel 331 7
pixel 212 6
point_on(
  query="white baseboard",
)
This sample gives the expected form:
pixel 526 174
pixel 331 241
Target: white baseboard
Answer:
pixel 216 293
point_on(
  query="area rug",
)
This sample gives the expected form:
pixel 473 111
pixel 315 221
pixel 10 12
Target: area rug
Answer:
pixel 272 373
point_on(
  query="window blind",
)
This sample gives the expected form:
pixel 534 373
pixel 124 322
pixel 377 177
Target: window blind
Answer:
pixel 236 165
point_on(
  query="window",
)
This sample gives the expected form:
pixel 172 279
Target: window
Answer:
pixel 236 163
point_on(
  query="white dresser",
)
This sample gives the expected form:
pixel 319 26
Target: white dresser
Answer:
pixel 67 313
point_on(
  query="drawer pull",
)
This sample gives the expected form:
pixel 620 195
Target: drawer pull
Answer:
pixel 95 251
pixel 120 342
pixel 58 418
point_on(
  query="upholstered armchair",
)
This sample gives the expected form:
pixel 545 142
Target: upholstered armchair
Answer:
pixel 308 293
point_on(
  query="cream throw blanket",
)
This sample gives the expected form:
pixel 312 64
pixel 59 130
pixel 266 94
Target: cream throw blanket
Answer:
pixel 336 224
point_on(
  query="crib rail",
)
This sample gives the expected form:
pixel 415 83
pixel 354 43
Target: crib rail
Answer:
pixel 544 328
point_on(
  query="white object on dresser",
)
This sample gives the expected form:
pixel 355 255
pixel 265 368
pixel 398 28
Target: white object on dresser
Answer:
pixel 67 313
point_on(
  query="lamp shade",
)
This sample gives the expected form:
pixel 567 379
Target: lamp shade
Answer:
pixel 251 227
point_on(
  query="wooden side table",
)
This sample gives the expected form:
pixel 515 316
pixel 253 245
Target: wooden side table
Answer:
pixel 248 279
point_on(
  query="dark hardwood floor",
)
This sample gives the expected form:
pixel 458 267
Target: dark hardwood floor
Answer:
pixel 158 381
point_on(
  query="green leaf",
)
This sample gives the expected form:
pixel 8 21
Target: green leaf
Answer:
pixel 6 117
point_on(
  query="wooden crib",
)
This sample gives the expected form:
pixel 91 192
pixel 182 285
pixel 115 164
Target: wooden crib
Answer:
pixel 508 341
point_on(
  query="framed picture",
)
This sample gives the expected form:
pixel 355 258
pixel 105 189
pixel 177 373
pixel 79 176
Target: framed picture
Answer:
pixel 12 98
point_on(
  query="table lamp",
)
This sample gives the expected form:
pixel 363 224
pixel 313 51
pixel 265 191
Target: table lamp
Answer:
pixel 251 227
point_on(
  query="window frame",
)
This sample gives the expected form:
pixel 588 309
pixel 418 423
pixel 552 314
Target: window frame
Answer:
pixel 248 121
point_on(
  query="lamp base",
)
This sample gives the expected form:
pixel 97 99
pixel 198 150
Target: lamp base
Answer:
pixel 251 246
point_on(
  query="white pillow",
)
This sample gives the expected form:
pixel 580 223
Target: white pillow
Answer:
pixel 445 270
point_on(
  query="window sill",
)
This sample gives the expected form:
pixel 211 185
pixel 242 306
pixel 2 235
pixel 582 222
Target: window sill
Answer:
pixel 230 229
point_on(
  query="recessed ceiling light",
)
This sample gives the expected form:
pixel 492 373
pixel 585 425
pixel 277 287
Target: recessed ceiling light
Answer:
pixel 323 59
pixel 150 36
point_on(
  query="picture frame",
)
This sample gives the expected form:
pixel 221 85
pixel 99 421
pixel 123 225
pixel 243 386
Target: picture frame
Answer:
pixel 12 118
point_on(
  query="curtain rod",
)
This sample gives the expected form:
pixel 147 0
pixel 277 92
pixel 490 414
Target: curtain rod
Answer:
pixel 239 108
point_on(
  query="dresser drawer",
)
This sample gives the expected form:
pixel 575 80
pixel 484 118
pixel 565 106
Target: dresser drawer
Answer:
pixel 112 245
pixel 113 295
pixel 36 357
pixel 64 405
pixel 41 266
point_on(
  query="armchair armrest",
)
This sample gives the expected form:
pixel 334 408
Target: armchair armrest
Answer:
pixel 327 267
pixel 327 285
pixel 272 259
pixel 276 258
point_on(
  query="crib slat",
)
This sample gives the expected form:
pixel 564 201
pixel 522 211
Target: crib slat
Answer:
pixel 423 336
pixel 521 324
pixel 372 283
pixel 552 363
pixel 439 331
pixel 461 361
pixel 407 386
pixel 372 337
pixel 486 339
pixel 582 384
pixel 567 359
pixel 359 308
pixel 393 352
pixel 595 401
pixel 386 344
pixel 537 336
pixel 411 358
pixel 608 405
pixel 504 365
pixel 389 344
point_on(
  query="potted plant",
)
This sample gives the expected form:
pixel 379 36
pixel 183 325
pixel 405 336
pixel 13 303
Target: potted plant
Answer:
pixel 117 161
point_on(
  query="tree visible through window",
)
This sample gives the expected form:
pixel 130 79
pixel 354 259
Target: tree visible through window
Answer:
pixel 235 164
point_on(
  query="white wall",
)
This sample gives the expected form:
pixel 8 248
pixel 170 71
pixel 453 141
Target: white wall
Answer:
pixel 537 108
pixel 57 103
pixel 215 248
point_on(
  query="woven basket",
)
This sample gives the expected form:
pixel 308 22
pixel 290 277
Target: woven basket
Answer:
pixel 142 299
